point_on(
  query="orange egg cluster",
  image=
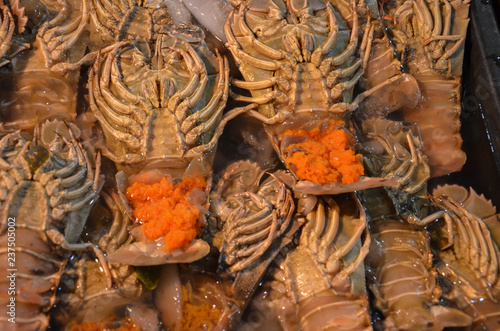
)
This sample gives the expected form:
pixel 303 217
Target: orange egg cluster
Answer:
pixel 325 156
pixel 198 317
pixel 163 210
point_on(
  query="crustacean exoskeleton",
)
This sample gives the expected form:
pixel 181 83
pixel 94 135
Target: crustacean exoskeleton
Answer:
pixel 469 261
pixel 320 284
pixel 140 97
pixel 48 187
pixel 119 20
pixel 382 66
pixel 7 27
pixel 61 39
pixel 13 21
pixel 84 301
pixel 430 36
pixel 46 77
pixel 252 221
pixel 399 264
pixel 477 204
pixel 400 270
pixel 394 149
pixel 256 220
pixel 300 61
pixel 161 112
pixel 42 82
pixel 252 214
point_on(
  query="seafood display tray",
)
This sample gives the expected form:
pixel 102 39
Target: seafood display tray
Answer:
pixel 481 104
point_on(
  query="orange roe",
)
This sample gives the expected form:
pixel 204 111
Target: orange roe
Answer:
pixel 326 156
pixel 163 210
pixel 198 317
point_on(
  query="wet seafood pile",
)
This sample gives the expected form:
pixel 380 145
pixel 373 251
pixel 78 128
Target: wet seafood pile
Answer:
pixel 233 165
